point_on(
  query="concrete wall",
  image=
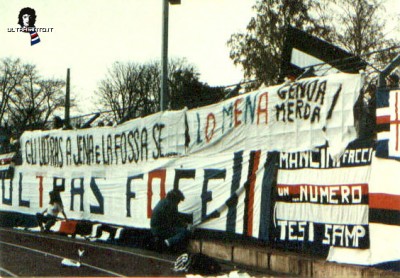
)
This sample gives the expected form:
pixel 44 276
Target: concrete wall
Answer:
pixel 263 258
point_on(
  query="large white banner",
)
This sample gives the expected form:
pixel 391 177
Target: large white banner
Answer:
pixel 290 117
pixel 118 174
pixel 139 141
pixel 322 202
pixel 223 191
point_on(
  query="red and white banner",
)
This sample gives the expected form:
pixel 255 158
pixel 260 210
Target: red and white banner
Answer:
pixel 388 123
pixel 384 218
pixel 5 160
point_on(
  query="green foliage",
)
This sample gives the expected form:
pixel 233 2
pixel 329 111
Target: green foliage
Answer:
pixel 187 91
pixel 258 50
pixel 355 25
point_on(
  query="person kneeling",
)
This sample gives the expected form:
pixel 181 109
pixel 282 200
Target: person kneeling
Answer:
pixel 167 224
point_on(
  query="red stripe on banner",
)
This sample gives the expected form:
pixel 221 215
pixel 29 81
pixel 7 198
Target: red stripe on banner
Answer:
pixel 5 160
pixel 384 201
pixel 157 174
pixel 340 189
pixel 383 119
pixel 34 35
pixel 396 108
pixel 252 184
pixel 40 190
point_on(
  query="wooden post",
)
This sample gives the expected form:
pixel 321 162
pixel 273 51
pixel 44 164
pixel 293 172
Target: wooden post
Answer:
pixel 67 101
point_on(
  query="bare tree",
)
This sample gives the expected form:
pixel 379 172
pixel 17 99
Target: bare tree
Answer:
pixel 129 90
pixel 362 27
pixel 11 74
pixel 132 90
pixel 34 100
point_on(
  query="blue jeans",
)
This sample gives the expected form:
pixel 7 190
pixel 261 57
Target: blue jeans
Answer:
pixel 181 236
pixel 175 235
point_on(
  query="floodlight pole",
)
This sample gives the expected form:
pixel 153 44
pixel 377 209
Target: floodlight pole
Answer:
pixel 67 101
pixel 164 54
pixel 164 57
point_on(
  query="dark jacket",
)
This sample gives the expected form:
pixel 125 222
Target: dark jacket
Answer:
pixel 166 216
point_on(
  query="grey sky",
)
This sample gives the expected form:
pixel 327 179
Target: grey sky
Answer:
pixel 89 35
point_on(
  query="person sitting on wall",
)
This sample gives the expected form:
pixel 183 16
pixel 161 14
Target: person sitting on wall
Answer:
pixel 49 216
pixel 169 226
pixel 57 122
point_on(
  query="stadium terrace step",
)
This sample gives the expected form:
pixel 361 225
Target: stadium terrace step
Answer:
pixel 268 259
